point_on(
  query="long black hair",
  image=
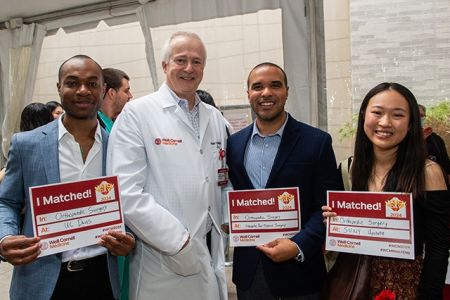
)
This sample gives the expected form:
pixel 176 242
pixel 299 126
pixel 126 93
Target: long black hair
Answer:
pixel 52 105
pixel 408 172
pixel 35 115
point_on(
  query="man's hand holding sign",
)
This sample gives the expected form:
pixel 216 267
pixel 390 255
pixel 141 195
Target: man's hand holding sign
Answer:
pixel 265 218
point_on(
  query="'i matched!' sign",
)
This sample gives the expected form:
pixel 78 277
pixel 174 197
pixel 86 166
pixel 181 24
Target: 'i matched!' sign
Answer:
pixel 369 223
pixel 71 215
pixel 260 216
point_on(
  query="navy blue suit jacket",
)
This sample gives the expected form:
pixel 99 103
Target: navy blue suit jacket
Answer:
pixel 305 159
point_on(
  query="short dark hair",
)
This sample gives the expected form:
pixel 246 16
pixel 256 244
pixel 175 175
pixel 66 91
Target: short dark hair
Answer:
pixel 78 56
pixel 35 115
pixel 206 97
pixel 113 78
pixel 52 105
pixel 267 64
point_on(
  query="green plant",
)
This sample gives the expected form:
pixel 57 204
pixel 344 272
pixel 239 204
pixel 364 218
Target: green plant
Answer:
pixel 348 130
pixel 438 118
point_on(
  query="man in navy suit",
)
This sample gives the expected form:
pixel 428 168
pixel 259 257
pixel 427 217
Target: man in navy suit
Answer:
pixel 73 147
pixel 277 151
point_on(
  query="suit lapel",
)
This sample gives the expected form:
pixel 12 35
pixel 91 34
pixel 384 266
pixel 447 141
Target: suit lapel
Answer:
pixel 288 141
pixel 105 137
pixel 204 115
pixel 49 152
pixel 181 115
pixel 241 146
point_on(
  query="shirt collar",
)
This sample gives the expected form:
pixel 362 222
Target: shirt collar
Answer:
pixel 279 131
pixel 62 130
pixel 184 102
pixel 106 120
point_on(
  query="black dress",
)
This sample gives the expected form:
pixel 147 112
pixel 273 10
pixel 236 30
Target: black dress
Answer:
pixel 432 242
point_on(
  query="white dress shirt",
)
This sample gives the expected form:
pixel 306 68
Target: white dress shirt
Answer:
pixel 72 168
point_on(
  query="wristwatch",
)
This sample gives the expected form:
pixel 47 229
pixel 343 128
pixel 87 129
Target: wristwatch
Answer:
pixel 299 257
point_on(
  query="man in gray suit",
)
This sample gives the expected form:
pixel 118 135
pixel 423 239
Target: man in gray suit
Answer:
pixel 70 148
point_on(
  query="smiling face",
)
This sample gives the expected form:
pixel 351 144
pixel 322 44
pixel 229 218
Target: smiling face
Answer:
pixel 386 121
pixel 57 112
pixel 184 68
pixel 81 88
pixel 267 93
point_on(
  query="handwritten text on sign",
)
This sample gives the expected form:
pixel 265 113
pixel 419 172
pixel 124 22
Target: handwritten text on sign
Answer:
pixel 71 215
pixel 378 224
pixel 260 216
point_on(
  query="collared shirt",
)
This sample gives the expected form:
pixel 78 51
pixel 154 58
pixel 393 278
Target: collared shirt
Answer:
pixel 71 168
pixel 192 115
pixel 259 158
pixel 260 155
pixel 106 120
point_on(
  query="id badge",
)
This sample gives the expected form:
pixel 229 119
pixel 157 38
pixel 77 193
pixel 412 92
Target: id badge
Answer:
pixel 222 173
pixel 222 176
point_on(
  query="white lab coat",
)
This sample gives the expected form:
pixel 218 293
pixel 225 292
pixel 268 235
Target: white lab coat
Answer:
pixel 168 186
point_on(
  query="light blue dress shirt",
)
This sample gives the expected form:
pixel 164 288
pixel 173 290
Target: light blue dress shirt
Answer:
pixel 260 155
pixel 259 158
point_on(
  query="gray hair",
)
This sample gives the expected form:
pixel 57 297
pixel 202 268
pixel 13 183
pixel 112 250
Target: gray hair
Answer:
pixel 166 49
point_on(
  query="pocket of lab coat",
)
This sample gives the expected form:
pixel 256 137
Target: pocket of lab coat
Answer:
pixel 186 262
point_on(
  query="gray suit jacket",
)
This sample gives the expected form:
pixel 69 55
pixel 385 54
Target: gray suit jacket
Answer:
pixel 33 160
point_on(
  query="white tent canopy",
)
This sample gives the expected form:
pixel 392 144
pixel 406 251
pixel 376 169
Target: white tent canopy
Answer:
pixel 24 25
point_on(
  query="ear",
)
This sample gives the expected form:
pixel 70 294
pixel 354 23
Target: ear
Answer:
pixel 427 131
pixel 164 66
pixel 58 86
pixel 111 93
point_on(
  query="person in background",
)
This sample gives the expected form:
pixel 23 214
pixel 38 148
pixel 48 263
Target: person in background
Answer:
pixel 73 147
pixel 435 145
pixel 277 151
pixel 56 108
pixel 33 116
pixel 208 99
pixel 166 149
pixel 390 157
pixel 117 94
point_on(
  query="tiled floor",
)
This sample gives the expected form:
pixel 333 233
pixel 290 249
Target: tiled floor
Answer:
pixel 6 271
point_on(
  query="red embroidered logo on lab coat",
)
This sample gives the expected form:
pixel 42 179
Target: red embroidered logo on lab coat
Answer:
pixel 168 142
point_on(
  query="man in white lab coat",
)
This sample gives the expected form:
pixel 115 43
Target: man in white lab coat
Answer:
pixel 168 150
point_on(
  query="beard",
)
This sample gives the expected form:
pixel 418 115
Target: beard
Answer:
pixel 269 117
